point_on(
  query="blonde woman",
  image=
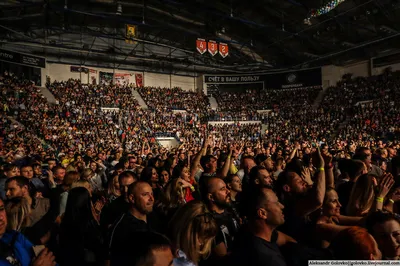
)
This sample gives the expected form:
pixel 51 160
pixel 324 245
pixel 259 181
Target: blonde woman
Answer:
pixel 192 230
pixel 113 191
pixel 172 198
pixel 70 178
pixel 83 183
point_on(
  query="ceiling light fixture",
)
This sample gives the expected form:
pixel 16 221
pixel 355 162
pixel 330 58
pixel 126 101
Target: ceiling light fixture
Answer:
pixel 325 8
pixel 119 9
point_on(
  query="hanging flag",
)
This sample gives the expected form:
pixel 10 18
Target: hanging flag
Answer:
pixel 212 47
pixel 139 80
pixel 201 46
pixel 130 34
pixel 223 49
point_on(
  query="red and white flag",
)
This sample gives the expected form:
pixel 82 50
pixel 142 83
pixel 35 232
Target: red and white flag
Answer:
pixel 212 47
pixel 223 49
pixel 201 46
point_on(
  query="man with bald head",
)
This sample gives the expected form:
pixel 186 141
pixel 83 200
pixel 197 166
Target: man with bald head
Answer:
pixel 217 197
pixel 141 201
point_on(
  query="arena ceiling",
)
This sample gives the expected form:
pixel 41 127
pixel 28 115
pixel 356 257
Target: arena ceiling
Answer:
pixel 263 35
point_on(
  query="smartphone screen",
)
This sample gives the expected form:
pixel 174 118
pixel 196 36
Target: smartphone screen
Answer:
pixel 37 249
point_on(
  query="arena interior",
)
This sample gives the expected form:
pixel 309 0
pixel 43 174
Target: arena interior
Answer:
pixel 199 132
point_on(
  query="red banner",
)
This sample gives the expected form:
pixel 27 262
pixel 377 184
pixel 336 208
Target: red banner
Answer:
pixel 201 46
pixel 223 49
pixel 139 80
pixel 212 47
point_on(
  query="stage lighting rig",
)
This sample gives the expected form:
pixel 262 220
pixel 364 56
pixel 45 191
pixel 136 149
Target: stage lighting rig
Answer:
pixel 329 6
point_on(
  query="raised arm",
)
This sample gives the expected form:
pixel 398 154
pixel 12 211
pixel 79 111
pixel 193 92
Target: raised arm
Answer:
pixel 196 161
pixel 315 197
pixel 329 176
pixel 228 163
pixel 384 187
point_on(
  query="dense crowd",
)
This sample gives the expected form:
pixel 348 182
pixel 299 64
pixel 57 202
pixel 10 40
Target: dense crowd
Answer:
pixel 377 115
pixel 162 99
pixel 83 185
pixel 265 99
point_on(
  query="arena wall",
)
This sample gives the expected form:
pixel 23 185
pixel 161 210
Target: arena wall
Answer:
pixel 379 70
pixel 332 74
pixel 63 72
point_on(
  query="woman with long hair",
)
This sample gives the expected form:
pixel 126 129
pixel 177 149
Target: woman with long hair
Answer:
pixel 18 215
pixel 170 164
pixel 113 191
pixel 172 198
pixel 235 186
pixel 192 230
pixel 150 175
pixel 69 179
pixel 99 177
pixel 385 227
pixel 164 178
pixel 330 222
pixel 186 176
pixel 362 196
pixel 80 236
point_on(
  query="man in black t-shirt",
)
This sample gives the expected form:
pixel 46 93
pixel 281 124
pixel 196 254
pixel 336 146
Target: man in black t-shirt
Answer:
pixel 217 198
pixel 141 200
pixel 259 243
pixel 228 226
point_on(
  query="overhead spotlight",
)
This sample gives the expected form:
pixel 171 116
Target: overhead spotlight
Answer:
pixel 119 9
pixel 223 30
